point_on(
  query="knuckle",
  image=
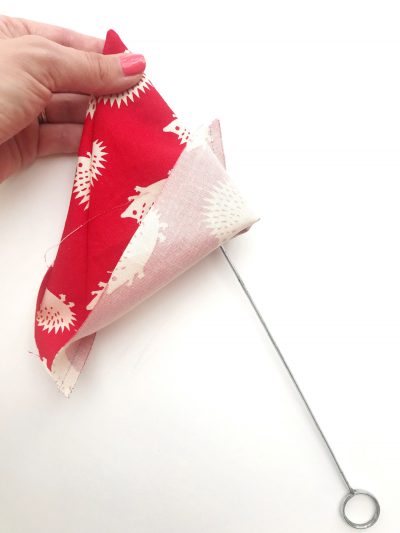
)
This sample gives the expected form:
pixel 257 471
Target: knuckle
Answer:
pixel 36 56
pixel 5 22
pixel 99 66
pixel 34 41
pixel 34 47
pixel 8 26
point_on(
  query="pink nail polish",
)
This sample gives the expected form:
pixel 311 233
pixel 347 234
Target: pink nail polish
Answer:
pixel 132 64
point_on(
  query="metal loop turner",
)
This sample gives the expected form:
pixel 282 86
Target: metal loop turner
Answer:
pixel 351 492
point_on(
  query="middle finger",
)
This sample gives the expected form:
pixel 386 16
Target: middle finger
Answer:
pixel 67 108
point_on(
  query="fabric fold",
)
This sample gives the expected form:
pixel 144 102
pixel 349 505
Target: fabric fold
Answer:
pixel 149 200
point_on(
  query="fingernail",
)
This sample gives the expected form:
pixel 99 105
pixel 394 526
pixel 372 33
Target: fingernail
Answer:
pixel 132 64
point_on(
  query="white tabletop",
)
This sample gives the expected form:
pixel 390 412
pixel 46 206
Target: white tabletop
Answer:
pixel 184 420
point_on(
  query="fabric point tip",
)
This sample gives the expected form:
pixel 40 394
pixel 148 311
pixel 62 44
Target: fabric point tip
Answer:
pixel 113 44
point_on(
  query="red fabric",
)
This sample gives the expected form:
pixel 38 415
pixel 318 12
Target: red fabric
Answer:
pixel 135 152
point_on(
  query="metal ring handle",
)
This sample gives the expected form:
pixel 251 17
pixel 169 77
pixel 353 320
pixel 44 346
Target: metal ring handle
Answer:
pixel 372 520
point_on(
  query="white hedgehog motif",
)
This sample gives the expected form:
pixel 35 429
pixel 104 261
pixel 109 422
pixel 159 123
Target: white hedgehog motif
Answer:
pixel 225 210
pixel 138 252
pixel 88 170
pixel 177 127
pixel 91 108
pixel 55 313
pixel 142 202
pixel 130 94
pixel 192 140
pixel 96 296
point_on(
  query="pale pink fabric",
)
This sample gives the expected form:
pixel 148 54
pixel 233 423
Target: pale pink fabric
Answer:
pixel 197 209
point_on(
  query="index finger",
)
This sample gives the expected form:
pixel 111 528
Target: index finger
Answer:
pixel 59 35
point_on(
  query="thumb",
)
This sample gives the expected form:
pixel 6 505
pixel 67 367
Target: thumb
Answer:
pixel 64 69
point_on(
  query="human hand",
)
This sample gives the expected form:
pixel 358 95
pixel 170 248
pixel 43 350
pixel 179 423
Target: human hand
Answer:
pixel 49 68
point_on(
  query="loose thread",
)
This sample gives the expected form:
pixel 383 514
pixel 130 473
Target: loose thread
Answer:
pixel 33 353
pixel 80 227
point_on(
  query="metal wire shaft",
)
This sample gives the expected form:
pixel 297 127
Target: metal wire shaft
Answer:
pixel 351 492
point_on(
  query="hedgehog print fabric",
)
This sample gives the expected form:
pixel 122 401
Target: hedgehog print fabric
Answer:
pixel 149 200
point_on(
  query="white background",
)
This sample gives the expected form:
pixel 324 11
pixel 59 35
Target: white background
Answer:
pixel 184 420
